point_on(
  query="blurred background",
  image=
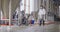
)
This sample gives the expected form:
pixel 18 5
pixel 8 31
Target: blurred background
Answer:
pixel 30 15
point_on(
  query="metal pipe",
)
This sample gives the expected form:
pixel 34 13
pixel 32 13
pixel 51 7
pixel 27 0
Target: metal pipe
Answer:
pixel 10 13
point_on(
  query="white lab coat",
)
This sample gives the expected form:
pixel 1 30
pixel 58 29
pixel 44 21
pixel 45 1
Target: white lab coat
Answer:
pixel 41 13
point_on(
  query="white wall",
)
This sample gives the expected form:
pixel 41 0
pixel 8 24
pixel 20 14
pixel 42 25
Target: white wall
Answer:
pixel 59 11
pixel 31 5
pixel 27 6
pixel 22 5
pixel 35 5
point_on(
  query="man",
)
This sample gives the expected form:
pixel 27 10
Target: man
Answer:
pixel 41 15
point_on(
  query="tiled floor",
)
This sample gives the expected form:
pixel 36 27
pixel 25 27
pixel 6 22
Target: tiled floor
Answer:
pixel 35 28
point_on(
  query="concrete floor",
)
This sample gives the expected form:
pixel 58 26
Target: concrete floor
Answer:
pixel 34 28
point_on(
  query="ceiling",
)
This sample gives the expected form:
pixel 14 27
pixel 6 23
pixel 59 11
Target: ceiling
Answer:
pixel 4 6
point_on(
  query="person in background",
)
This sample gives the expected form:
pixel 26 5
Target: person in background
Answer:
pixel 41 15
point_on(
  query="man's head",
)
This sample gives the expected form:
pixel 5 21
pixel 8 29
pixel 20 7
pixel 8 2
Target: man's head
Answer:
pixel 41 7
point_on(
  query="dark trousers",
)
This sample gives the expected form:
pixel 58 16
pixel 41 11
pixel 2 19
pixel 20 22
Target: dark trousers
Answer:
pixel 42 22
